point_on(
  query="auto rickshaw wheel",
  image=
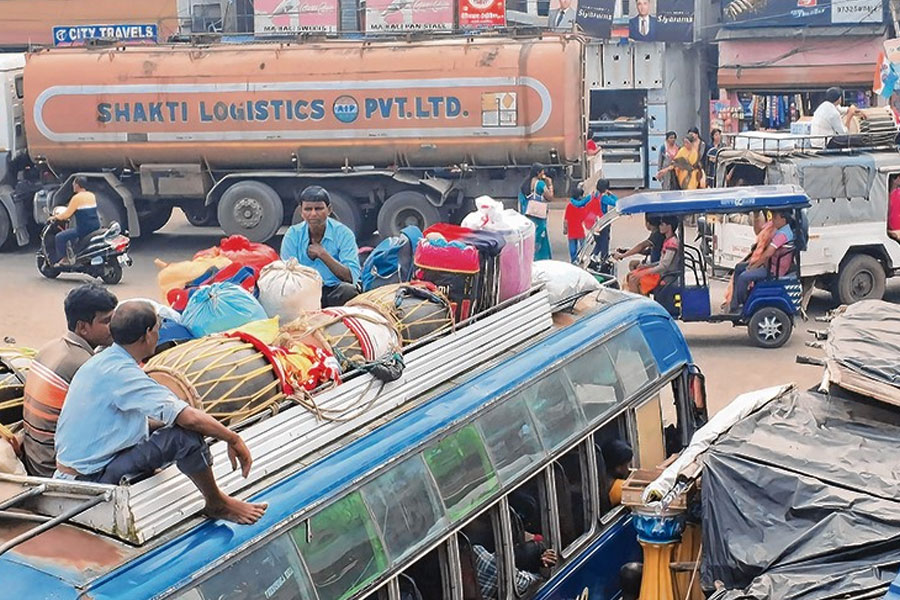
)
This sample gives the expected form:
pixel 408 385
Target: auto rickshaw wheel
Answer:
pixel 770 327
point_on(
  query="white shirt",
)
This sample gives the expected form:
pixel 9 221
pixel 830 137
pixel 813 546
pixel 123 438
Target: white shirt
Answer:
pixel 644 25
pixel 826 122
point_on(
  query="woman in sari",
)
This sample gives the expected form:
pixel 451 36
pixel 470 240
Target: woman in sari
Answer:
pixel 688 167
pixel 537 188
pixel 666 155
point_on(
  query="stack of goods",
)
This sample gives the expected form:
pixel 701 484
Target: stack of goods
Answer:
pixel 517 255
pixel 287 290
pixel 464 264
pixel 14 365
pixel 416 309
pixel 878 125
pixel 242 251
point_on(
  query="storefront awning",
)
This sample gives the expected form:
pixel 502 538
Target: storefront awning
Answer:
pixel 766 63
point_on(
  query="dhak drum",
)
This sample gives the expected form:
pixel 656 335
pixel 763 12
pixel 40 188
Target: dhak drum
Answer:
pixel 225 376
pixel 878 126
pixel 416 309
pixel 355 335
pixel 14 365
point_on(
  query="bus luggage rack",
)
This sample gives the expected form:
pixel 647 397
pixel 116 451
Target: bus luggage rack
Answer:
pixel 779 143
pixel 139 512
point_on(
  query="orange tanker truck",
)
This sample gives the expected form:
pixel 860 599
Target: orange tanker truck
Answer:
pixel 400 132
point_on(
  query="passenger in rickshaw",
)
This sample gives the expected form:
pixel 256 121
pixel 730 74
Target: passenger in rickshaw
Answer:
pixel 651 248
pixel 764 230
pixel 775 261
pixel 646 280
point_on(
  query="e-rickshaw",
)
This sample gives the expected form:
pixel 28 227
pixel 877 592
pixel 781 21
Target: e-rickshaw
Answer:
pixel 772 303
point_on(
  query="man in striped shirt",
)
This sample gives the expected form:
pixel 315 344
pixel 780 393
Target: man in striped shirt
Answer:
pixel 88 309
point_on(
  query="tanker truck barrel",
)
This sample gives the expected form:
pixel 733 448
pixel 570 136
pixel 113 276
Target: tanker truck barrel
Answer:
pixel 407 128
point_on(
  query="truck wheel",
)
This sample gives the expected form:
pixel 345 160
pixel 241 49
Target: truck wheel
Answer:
pixel 155 218
pixel 861 278
pixel 343 209
pixel 6 234
pixel 770 327
pixel 200 215
pixel 406 208
pixel 110 210
pixel 251 209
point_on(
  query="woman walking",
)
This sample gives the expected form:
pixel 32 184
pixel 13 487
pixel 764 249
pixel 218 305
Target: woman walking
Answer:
pixel 534 202
pixel 666 156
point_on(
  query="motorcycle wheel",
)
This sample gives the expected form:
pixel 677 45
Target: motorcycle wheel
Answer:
pixel 46 269
pixel 112 273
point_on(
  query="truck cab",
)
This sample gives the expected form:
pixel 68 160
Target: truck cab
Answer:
pixel 13 152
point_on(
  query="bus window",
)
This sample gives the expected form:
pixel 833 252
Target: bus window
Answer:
pixel 510 437
pixel 612 446
pixel 573 496
pixel 341 548
pixel 482 563
pixel 405 506
pixel 596 383
pixel 552 402
pixel 650 440
pixel 272 571
pixel 427 578
pixel 529 525
pixel 633 360
pixel 463 471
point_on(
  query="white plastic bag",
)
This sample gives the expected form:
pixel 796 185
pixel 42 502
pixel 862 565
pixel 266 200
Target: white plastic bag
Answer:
pixel 487 211
pixel 288 289
pixel 562 280
pixel 9 462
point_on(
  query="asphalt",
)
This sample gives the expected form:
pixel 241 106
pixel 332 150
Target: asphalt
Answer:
pixel 31 307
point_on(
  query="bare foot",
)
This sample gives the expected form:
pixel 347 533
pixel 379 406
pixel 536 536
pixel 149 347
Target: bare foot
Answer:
pixel 237 511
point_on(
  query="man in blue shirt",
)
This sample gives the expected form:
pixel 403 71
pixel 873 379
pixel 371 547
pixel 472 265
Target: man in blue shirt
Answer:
pixel 326 245
pixel 775 261
pixel 117 422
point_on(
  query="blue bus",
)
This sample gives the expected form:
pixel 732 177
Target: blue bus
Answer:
pixel 433 503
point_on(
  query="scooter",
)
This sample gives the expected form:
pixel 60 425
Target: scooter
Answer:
pixel 102 255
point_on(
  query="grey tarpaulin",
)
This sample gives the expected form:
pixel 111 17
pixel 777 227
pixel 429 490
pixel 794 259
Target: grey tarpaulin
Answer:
pixel 801 500
pixel 865 338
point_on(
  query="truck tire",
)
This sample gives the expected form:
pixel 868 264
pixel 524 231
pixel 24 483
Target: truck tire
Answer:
pixel 770 327
pixel 110 210
pixel 6 231
pixel 155 218
pixel 406 208
pixel 860 278
pixel 200 215
pixel 251 209
pixel 343 209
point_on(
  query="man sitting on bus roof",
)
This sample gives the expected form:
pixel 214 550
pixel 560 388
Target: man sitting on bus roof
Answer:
pixel 830 118
pixel 760 268
pixel 118 423
pixel 326 245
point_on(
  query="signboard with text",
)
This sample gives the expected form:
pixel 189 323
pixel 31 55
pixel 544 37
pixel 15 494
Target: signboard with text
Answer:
pixel 288 17
pixel 79 35
pixel 385 16
pixel 595 17
pixel 482 14
pixel 801 13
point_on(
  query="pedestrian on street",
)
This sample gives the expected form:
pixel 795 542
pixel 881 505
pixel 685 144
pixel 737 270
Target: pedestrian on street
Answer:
pixel 582 212
pixel 535 196
pixel 667 153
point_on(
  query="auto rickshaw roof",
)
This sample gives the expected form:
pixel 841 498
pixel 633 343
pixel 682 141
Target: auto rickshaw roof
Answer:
pixel 714 200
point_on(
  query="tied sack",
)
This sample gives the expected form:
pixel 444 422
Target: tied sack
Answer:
pixel 220 307
pixel 288 289
pixel 239 249
pixel 176 275
pixel 562 280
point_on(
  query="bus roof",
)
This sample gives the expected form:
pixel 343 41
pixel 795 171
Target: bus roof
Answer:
pixel 142 572
pixel 714 200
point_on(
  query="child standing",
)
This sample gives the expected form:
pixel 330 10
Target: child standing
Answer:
pixel 607 201
pixel 581 214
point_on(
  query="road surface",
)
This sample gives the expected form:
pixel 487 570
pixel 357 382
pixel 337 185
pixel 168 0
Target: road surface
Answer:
pixel 31 307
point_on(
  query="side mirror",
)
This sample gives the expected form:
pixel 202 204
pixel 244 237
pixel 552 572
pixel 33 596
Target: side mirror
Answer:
pixel 697 394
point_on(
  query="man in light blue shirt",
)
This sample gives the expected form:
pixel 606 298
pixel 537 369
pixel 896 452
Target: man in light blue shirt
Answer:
pixel 326 245
pixel 118 423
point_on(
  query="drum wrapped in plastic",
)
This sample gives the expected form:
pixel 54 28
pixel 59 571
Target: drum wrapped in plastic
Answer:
pixel 14 365
pixel 355 335
pixel 288 289
pixel 417 309
pixel 229 378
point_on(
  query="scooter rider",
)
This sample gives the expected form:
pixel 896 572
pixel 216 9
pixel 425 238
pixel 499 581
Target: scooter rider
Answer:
pixel 83 206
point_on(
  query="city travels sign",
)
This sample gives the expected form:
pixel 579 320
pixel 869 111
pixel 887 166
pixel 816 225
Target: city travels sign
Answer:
pixel 409 15
pixel 79 35
pixel 287 17
pixel 800 13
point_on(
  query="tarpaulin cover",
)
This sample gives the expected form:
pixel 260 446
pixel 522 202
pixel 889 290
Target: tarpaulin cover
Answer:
pixel 866 339
pixel 801 500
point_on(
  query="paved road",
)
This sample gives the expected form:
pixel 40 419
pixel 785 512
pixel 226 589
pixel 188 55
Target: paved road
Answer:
pixel 31 308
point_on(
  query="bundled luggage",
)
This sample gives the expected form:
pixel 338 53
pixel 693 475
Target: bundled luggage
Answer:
pixel 220 307
pixel 416 309
pixel 563 281
pixel 392 260
pixel 287 290
pixel 242 251
pixel 178 274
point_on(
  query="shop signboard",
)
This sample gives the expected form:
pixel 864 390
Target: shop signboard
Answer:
pixel 79 35
pixel 657 21
pixel 595 17
pixel 386 16
pixel 289 17
pixel 801 13
pixel 482 14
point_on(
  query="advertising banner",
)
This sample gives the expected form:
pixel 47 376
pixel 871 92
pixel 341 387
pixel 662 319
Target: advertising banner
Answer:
pixel 800 13
pixel 79 35
pixel 662 21
pixel 595 17
pixel 409 15
pixel 286 17
pixel 482 14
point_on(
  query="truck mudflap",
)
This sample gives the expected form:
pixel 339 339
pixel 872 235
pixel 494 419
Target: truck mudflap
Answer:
pixel 17 209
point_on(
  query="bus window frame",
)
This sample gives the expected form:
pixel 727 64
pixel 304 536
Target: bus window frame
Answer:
pixel 589 478
pixel 548 519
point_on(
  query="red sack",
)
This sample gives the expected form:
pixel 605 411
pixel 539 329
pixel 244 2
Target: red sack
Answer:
pixel 239 249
